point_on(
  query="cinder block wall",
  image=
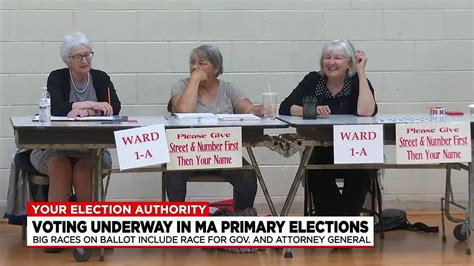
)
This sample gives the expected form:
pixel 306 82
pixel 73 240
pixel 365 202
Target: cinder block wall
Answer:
pixel 420 53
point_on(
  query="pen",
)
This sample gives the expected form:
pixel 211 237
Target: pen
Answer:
pixel 454 113
pixel 108 94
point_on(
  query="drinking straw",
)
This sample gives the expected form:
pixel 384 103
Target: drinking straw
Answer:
pixel 270 94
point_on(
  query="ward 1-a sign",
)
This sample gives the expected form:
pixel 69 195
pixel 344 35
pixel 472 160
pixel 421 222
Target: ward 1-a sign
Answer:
pixel 204 148
pixel 433 143
pixel 141 146
pixel 355 144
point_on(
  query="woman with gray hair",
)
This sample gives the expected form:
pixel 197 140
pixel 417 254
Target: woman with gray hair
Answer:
pixel 340 87
pixel 203 92
pixel 76 91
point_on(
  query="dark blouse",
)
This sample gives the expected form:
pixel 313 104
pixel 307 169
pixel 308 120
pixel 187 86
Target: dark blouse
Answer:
pixel 340 104
pixel 59 87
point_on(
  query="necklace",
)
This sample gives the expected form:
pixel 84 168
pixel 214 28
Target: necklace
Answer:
pixel 74 84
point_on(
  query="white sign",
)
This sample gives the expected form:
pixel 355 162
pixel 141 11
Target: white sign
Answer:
pixel 141 146
pixel 204 148
pixel 355 144
pixel 433 143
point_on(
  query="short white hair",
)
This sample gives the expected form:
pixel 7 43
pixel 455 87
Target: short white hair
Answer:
pixel 344 46
pixel 71 41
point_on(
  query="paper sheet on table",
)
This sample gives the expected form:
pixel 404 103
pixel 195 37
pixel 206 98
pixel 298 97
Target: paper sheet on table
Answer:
pixel 87 118
pixel 237 117
pixel 195 115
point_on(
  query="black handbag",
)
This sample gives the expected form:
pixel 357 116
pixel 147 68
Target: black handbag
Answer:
pixel 246 212
pixel 395 219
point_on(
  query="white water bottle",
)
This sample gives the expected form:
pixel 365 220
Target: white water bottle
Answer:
pixel 45 106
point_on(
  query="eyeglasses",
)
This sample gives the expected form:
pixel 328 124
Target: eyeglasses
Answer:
pixel 78 57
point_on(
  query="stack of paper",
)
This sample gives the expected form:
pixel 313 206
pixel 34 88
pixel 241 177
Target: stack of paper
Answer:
pixel 195 116
pixel 87 118
pixel 237 117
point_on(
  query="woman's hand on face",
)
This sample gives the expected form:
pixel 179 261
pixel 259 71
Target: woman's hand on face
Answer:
pixel 199 75
pixel 323 110
pixel 361 60
pixel 257 109
pixel 103 107
pixel 78 113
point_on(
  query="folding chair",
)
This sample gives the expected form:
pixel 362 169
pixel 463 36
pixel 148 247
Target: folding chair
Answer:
pixel 375 192
pixel 39 183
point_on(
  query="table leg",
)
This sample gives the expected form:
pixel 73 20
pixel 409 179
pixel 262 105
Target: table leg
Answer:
pixel 97 184
pixel 470 207
pixel 96 175
pixel 261 181
pixel 470 193
pixel 294 188
pixel 297 181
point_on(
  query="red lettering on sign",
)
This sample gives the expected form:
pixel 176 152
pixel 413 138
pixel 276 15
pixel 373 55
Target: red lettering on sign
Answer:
pixel 145 137
pixel 190 136
pixel 216 135
pixel 358 135
pixel 448 130
pixel 419 130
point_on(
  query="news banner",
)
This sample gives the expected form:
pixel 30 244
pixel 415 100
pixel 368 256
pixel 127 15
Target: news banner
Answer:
pixel 184 225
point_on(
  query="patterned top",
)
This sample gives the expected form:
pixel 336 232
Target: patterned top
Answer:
pixel 315 86
pixel 88 95
pixel 227 97
pixel 39 157
pixel 322 89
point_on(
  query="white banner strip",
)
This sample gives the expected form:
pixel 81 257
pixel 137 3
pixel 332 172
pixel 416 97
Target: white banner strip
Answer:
pixel 138 231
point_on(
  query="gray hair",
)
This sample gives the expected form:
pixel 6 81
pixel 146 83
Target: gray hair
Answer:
pixel 71 41
pixel 211 53
pixel 344 46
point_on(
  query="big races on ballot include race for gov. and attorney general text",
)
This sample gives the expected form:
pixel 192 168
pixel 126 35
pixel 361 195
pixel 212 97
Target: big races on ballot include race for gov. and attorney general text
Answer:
pixel 118 209
pixel 167 224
